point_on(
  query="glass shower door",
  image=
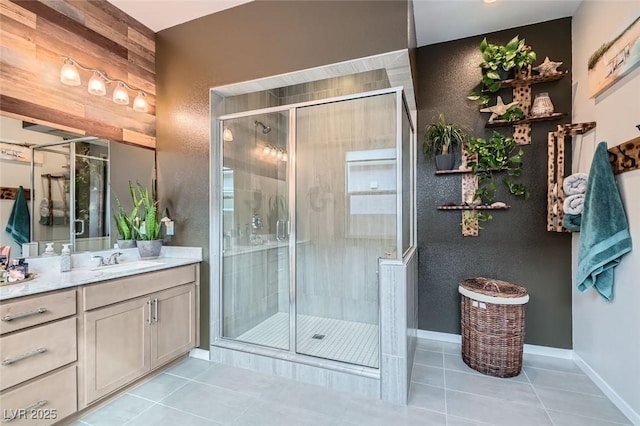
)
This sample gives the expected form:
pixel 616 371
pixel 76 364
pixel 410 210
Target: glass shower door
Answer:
pixel 346 218
pixel 71 201
pixel 255 223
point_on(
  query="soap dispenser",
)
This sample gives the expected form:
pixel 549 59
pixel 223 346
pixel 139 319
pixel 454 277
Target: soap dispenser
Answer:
pixel 65 258
pixel 48 251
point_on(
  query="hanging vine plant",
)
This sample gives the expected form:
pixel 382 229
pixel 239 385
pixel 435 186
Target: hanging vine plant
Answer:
pixel 496 154
pixel 497 62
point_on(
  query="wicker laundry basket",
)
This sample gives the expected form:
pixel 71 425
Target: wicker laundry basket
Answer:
pixel 492 317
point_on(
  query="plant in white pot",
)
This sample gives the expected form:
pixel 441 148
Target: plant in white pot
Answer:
pixel 442 141
pixel 149 242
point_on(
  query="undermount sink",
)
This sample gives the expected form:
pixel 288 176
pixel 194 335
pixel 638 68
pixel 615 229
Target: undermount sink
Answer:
pixel 128 266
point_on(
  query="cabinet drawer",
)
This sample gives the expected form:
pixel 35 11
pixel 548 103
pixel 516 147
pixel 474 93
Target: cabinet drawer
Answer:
pixel 32 352
pixel 29 311
pixel 42 402
pixel 122 289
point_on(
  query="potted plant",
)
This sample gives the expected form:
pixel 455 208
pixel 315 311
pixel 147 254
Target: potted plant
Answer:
pixel 498 153
pixel 442 140
pixel 513 113
pixel 125 222
pixel 149 242
pixel 498 61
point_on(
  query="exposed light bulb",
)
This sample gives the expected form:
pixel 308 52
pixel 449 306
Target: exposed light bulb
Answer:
pixel 274 152
pixel 285 157
pixel 140 103
pixel 69 73
pixel 120 95
pixel 280 154
pixel 266 150
pixel 227 136
pixel 96 85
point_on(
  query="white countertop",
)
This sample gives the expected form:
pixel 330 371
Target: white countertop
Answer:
pixel 84 271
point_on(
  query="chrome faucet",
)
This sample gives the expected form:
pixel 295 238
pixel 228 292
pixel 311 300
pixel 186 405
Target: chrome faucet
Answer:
pixel 111 260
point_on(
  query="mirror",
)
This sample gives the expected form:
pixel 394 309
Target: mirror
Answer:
pixel 62 209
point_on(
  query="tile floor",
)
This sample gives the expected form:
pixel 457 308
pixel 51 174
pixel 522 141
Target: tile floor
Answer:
pixel 444 391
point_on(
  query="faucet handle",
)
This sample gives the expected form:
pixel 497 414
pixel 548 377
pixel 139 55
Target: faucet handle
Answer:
pixel 100 259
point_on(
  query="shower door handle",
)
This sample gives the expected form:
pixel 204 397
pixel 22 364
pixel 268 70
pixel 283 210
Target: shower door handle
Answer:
pixel 81 226
pixel 282 230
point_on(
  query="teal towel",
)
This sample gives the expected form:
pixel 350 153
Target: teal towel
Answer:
pixel 604 234
pixel 18 225
pixel 572 221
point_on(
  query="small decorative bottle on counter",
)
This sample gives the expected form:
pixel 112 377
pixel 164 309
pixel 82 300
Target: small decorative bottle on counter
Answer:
pixel 65 258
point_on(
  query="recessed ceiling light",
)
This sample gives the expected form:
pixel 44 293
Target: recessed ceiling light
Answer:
pixel 488 1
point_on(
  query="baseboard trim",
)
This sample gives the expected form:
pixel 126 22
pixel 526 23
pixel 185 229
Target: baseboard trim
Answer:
pixel 199 354
pixel 436 335
pixel 607 390
pixel 528 349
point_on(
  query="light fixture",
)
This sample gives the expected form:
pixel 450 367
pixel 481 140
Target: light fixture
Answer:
pixel 120 95
pixel 96 85
pixel 70 76
pixel 140 103
pixel 271 152
pixel 488 1
pixel 227 136
pixel 69 73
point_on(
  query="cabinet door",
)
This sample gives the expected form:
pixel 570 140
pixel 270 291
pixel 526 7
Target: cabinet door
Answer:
pixel 174 323
pixel 116 340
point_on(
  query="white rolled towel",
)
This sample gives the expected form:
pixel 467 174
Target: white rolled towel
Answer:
pixel 574 204
pixel 575 184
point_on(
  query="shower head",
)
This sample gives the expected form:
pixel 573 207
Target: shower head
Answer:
pixel 265 129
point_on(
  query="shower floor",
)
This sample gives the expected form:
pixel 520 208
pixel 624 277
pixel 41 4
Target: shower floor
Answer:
pixel 346 341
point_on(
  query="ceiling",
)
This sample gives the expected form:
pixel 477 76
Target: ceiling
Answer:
pixel 436 20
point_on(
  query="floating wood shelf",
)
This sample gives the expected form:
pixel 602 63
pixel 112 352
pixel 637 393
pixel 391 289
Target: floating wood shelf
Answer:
pixel 466 207
pixel 459 171
pixel 454 171
pixel 521 87
pixel 534 79
pixel 549 117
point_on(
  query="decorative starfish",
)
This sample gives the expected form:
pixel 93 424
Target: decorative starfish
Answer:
pixel 547 67
pixel 498 109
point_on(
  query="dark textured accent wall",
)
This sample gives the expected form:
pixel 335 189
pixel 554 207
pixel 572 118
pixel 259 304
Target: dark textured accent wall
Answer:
pixel 515 245
pixel 251 41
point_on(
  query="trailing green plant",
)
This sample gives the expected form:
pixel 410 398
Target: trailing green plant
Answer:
pixel 148 199
pixel 497 59
pixel 514 112
pixel 125 223
pixel 498 153
pixel 470 217
pixel 443 138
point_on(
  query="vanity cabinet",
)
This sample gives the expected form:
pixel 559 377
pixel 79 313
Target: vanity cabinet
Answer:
pixel 125 337
pixel 38 354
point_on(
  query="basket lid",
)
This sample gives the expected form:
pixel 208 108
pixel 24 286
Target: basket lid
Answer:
pixel 493 287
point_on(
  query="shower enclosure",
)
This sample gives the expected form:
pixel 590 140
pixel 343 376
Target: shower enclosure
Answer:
pixel 309 200
pixel 71 198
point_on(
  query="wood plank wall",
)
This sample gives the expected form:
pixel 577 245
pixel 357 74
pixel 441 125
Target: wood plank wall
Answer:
pixel 34 35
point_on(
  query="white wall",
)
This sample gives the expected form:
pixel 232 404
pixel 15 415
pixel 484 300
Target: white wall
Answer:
pixel 605 335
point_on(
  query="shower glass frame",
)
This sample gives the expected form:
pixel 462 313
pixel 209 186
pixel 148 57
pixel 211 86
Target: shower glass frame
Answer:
pixel 402 116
